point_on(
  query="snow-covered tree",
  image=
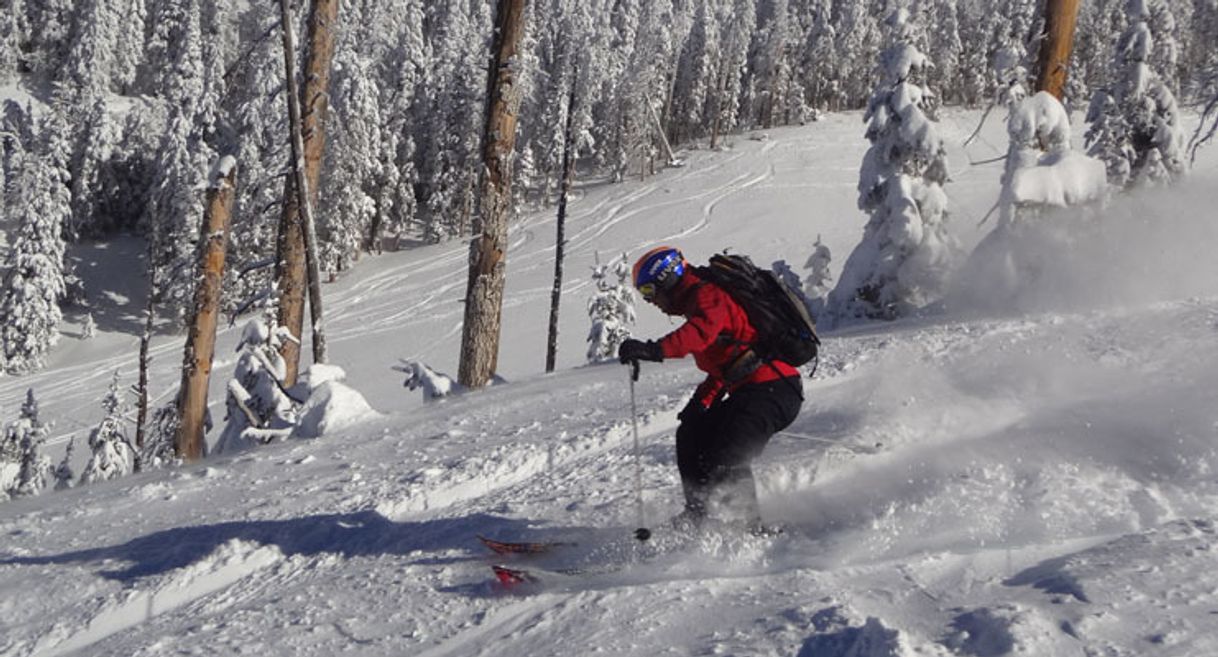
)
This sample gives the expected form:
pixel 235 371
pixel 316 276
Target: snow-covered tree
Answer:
pixel 94 145
pixel 820 56
pixel 817 284
pixel 88 330
pixel 611 309
pixel 858 38
pixel 112 456
pixel 791 279
pixel 34 282
pixel 159 450
pixel 21 445
pixel 12 33
pixel 64 475
pixel 452 116
pixel 697 73
pixel 1135 125
pixel 47 34
pixel 779 95
pixel 1042 176
pixel 181 69
pixel 906 251
pixel 259 409
pixel 36 470
pixel 1041 169
pixel 1100 24
pixel 946 49
pixel 256 111
pixel 16 137
pixel 435 385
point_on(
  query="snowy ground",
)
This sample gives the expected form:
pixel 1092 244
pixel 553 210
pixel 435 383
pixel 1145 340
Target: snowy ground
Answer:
pixel 1039 482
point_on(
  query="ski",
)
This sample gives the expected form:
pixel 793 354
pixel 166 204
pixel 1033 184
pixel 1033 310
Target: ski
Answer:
pixel 522 547
pixel 510 577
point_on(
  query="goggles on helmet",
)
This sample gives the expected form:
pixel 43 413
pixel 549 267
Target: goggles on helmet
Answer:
pixel 658 270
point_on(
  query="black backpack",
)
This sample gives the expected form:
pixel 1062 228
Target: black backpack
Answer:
pixel 785 328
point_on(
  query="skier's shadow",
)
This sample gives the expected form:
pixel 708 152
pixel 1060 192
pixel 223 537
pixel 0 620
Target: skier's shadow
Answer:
pixel 362 533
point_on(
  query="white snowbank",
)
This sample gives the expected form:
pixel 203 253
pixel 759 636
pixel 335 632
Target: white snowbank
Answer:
pixel 332 404
pixel 1060 179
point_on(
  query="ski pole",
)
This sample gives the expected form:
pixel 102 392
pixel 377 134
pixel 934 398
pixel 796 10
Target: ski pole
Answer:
pixel 642 533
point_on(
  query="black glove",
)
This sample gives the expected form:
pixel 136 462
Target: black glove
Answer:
pixel 635 350
pixel 692 411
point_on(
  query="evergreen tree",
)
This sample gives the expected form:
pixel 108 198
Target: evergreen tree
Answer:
pixel 731 94
pixel 13 29
pixel 1135 125
pixel 176 205
pixel 903 259
pixel 858 42
pixel 259 410
pixel 453 118
pixel 820 57
pixel 360 163
pixel 35 472
pixel 93 148
pixel 1100 24
pixel 34 280
pixel 159 450
pixel 611 309
pixel 64 475
pixel 16 136
pixel 697 73
pixel 946 49
pixel 816 286
pixel 10 462
pixel 112 454
pixel 28 470
pixel 259 127
pixel 181 70
pixel 47 34
pixel 89 329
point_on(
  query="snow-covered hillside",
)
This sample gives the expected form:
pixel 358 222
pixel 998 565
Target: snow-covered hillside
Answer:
pixel 1039 481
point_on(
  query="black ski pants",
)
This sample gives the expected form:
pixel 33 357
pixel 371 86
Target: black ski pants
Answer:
pixel 716 447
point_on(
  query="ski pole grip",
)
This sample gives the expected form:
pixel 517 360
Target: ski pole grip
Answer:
pixel 634 370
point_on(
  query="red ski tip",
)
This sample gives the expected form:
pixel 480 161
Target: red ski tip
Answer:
pixel 510 577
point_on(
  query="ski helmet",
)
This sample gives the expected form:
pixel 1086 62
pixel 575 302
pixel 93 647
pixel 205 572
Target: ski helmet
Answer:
pixel 659 269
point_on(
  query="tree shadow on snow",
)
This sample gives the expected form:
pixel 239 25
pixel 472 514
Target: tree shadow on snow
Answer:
pixel 362 533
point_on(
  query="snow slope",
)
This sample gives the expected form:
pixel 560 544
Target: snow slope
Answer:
pixel 1039 482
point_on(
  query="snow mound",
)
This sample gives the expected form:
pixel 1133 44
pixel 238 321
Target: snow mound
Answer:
pixel 1060 180
pixel 836 638
pixel 332 404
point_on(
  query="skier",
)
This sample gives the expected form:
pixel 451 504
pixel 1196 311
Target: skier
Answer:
pixel 734 412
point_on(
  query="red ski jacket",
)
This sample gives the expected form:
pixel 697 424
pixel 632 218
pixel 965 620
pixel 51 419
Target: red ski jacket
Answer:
pixel 716 332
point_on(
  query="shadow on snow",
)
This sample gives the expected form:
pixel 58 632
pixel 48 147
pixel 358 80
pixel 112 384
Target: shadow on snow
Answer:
pixel 362 533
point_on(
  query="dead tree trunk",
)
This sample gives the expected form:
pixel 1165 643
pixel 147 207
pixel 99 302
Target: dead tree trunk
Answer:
pixel 296 246
pixel 488 249
pixel 1054 60
pixel 201 340
pixel 145 360
pixel 568 176
pixel 660 132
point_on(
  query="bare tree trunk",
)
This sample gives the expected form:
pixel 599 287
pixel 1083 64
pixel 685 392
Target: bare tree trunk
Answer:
pixel 296 261
pixel 488 249
pixel 1054 60
pixel 141 387
pixel 568 175
pixel 145 360
pixel 201 340
pixel 660 132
